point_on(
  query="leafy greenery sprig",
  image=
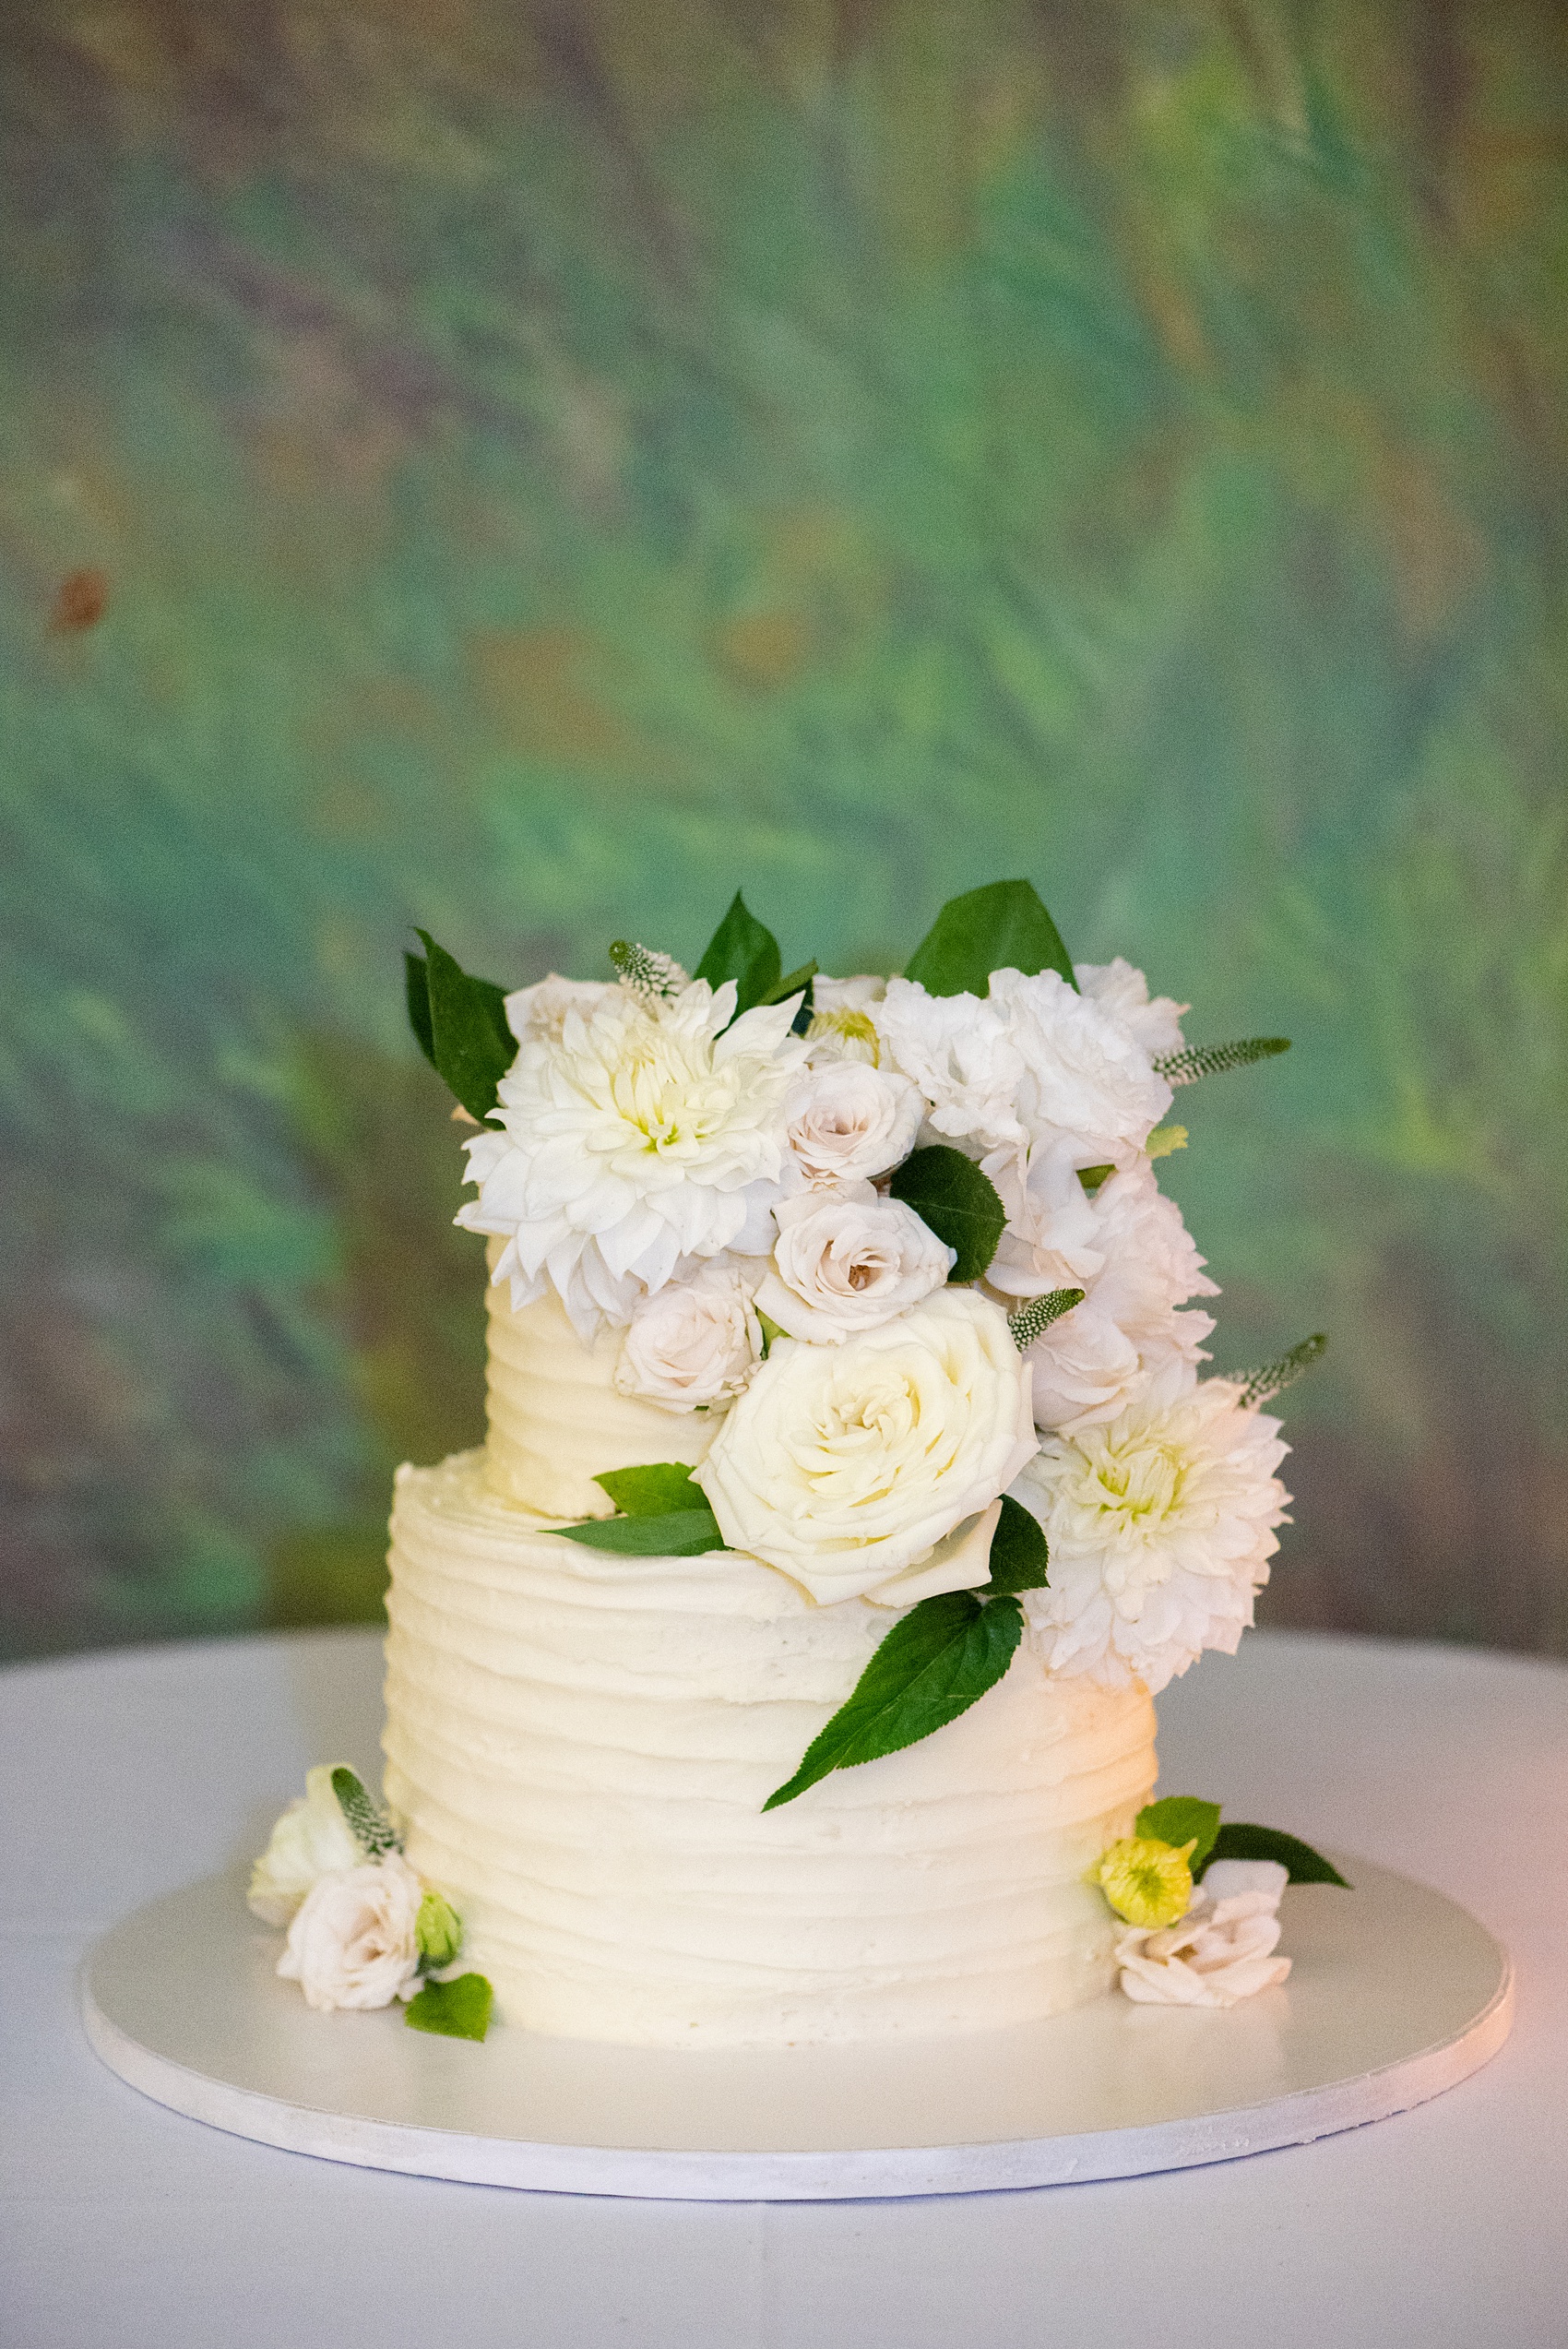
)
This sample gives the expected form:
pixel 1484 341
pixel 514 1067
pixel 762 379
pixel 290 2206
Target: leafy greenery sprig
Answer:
pixel 1032 1320
pixel 368 1823
pixel 457 2010
pixel 1179 1819
pixel 1262 1385
pixel 662 1513
pixel 1216 1060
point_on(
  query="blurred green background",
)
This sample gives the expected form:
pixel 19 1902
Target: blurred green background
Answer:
pixel 527 466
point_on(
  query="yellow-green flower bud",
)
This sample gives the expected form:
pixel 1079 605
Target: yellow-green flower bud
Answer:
pixel 1146 1881
pixel 439 1932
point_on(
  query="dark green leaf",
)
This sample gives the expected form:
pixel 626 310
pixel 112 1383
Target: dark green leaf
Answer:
pixel 931 1667
pixel 1240 1841
pixel 1018 1552
pixel 652 1492
pixel 1091 1178
pixel 796 984
pixel 459 2010
pixel 470 1043
pixel 1178 1819
pixel 1001 927
pixel 368 1823
pixel 800 1024
pixel 416 989
pixel 742 951
pixel 949 1193
pixel 679 1532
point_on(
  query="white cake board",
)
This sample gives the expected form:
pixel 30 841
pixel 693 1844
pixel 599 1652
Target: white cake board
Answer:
pixel 1395 1995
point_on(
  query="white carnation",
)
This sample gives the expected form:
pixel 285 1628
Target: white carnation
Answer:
pixel 1052 1238
pixel 1160 1526
pixel 354 1939
pixel 696 1342
pixel 847 1261
pixel 956 1049
pixel 847 1122
pixel 846 1465
pixel 1085 1075
pixel 1154 1023
pixel 1223 1950
pixel 647 1132
pixel 841 1025
pixel 312 1839
pixel 539 1011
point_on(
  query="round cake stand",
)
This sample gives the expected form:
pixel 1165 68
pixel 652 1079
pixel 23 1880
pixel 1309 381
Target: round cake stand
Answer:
pixel 1395 1995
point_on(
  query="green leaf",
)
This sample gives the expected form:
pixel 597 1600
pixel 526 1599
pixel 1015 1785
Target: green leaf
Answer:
pixel 459 2010
pixel 1091 1178
pixel 1001 927
pixel 1305 1866
pixel 1177 1819
pixel 1213 1060
pixel 416 991
pixel 678 1532
pixel 470 1043
pixel 1271 1378
pixel 1032 1320
pixel 931 1666
pixel 742 951
pixel 770 1331
pixel 1019 1555
pixel 438 1930
pixel 796 984
pixel 368 1823
pixel 653 1492
pixel 949 1193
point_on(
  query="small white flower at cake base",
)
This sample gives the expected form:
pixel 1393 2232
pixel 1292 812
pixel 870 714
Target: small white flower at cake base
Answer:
pixel 846 1466
pixel 1161 1525
pixel 848 1260
pixel 694 1345
pixel 1222 1949
pixel 848 1122
pixel 367 1930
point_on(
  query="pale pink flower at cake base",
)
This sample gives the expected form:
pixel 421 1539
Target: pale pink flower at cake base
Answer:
pixel 1222 1950
pixel 354 1939
pixel 846 1260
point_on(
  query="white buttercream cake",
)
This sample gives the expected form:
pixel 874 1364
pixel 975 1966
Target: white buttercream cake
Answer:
pixel 579 1746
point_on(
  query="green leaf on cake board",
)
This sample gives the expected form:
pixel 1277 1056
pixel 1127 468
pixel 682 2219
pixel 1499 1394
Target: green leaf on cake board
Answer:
pixel 931 1666
pixel 1183 1818
pixel 957 1201
pixel 1302 1864
pixel 461 1024
pixel 1213 1060
pixel 741 949
pixel 1001 927
pixel 457 2010
pixel 368 1823
pixel 1019 1555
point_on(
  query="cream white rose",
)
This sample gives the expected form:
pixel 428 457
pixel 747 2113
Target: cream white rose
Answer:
pixel 313 1838
pixel 1222 1949
pixel 849 1122
pixel 354 1939
pixel 846 1465
pixel 848 1260
pixel 697 1341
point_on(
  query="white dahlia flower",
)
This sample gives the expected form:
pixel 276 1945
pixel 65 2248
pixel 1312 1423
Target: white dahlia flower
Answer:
pixel 848 1466
pixel 646 1133
pixel 1160 1526
pixel 354 1939
pixel 1154 1023
pixel 847 1122
pixel 696 1341
pixel 847 1260
pixel 1085 1075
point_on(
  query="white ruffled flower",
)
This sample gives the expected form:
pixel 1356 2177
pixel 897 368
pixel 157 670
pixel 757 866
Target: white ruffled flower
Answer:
pixel 1052 1238
pixel 695 1342
pixel 1154 1023
pixel 1222 1949
pixel 354 1939
pixel 841 1025
pixel 647 1133
pixel 847 1122
pixel 539 1013
pixel 1129 1326
pixel 956 1050
pixel 310 1839
pixel 845 1466
pixel 847 1261
pixel 1085 1075
pixel 1161 1525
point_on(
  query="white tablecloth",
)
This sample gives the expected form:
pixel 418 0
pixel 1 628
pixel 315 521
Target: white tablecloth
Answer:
pixel 122 2226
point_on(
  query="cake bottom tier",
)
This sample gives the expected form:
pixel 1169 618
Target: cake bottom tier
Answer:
pixel 579 1747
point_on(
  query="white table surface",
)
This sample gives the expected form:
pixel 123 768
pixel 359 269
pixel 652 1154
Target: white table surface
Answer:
pixel 122 2224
